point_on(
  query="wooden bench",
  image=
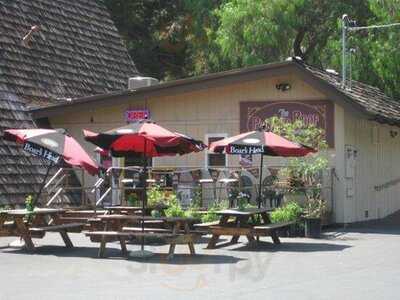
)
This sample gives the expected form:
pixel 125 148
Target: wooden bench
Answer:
pixel 61 228
pixel 147 229
pixel 122 236
pixel 170 238
pixel 7 228
pixel 68 227
pixel 271 230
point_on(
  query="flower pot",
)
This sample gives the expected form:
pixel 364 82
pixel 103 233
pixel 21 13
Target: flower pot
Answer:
pixel 312 227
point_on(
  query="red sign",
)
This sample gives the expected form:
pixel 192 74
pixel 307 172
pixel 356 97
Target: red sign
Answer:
pixel 135 115
pixel 319 113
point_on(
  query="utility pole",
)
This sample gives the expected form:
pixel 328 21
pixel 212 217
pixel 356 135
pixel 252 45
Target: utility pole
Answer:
pixel 349 25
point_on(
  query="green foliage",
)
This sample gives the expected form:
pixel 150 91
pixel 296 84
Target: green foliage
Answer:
pixel 171 39
pixel 304 170
pixel 211 215
pixel 242 200
pixel 29 203
pixel 304 173
pixel 155 196
pixel 133 199
pixel 315 208
pixel 291 211
pixel 174 210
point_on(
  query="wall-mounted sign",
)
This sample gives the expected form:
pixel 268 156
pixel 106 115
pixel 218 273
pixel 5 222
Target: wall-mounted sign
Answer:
pixel 135 115
pixel 319 113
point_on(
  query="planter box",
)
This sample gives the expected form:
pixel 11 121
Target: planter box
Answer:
pixel 312 227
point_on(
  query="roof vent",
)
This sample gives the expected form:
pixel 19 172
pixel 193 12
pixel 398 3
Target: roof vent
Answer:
pixel 139 82
pixel 332 71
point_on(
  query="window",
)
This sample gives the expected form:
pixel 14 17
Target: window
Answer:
pixel 215 159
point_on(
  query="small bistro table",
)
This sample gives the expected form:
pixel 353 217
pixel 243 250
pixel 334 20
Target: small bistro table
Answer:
pixel 235 223
pixel 28 224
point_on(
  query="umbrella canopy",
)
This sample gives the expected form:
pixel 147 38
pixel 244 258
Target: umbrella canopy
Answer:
pixel 260 142
pixel 147 139
pixel 53 145
pixel 144 137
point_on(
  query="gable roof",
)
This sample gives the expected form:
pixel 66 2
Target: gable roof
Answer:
pixel 362 98
pixel 77 51
pixel 370 99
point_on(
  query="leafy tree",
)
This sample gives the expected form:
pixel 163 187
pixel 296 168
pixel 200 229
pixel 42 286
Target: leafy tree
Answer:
pixel 254 32
pixel 171 39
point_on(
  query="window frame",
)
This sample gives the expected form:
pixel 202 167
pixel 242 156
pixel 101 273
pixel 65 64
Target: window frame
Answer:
pixel 207 152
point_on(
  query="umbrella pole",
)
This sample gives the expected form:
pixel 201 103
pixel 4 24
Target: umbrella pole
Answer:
pixel 43 184
pixel 143 253
pixel 144 202
pixel 260 183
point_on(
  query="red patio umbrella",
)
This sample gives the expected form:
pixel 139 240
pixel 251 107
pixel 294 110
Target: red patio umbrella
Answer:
pixel 53 145
pixel 147 139
pixel 144 138
pixel 260 142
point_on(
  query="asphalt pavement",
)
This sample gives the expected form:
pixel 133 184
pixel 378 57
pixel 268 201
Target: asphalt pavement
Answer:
pixel 345 264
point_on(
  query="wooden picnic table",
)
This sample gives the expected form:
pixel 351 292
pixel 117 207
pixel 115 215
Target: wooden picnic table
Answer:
pixel 28 224
pixel 130 210
pixel 178 233
pixel 235 223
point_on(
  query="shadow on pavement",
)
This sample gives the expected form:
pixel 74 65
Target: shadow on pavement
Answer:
pixel 187 259
pixel 291 247
pixel 114 253
pixel 61 251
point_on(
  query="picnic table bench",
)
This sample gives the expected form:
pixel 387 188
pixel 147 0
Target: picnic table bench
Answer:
pixel 179 234
pixel 235 223
pixel 124 210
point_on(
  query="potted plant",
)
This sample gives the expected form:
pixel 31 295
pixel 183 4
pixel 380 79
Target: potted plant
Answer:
pixel 305 174
pixel 243 199
pixel 315 208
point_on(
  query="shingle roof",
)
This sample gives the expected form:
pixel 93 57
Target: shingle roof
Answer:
pixel 77 52
pixel 20 174
pixel 371 99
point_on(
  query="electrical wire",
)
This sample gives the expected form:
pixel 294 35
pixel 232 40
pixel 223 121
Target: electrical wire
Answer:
pixel 372 27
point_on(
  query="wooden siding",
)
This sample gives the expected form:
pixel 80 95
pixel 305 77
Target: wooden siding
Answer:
pixel 215 110
pixel 377 165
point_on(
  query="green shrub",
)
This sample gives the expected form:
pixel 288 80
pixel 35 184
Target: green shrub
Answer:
pixel 289 212
pixel 155 196
pixel 174 208
pixel 211 215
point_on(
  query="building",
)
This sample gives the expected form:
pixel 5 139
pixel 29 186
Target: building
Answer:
pixel 361 123
pixel 51 51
